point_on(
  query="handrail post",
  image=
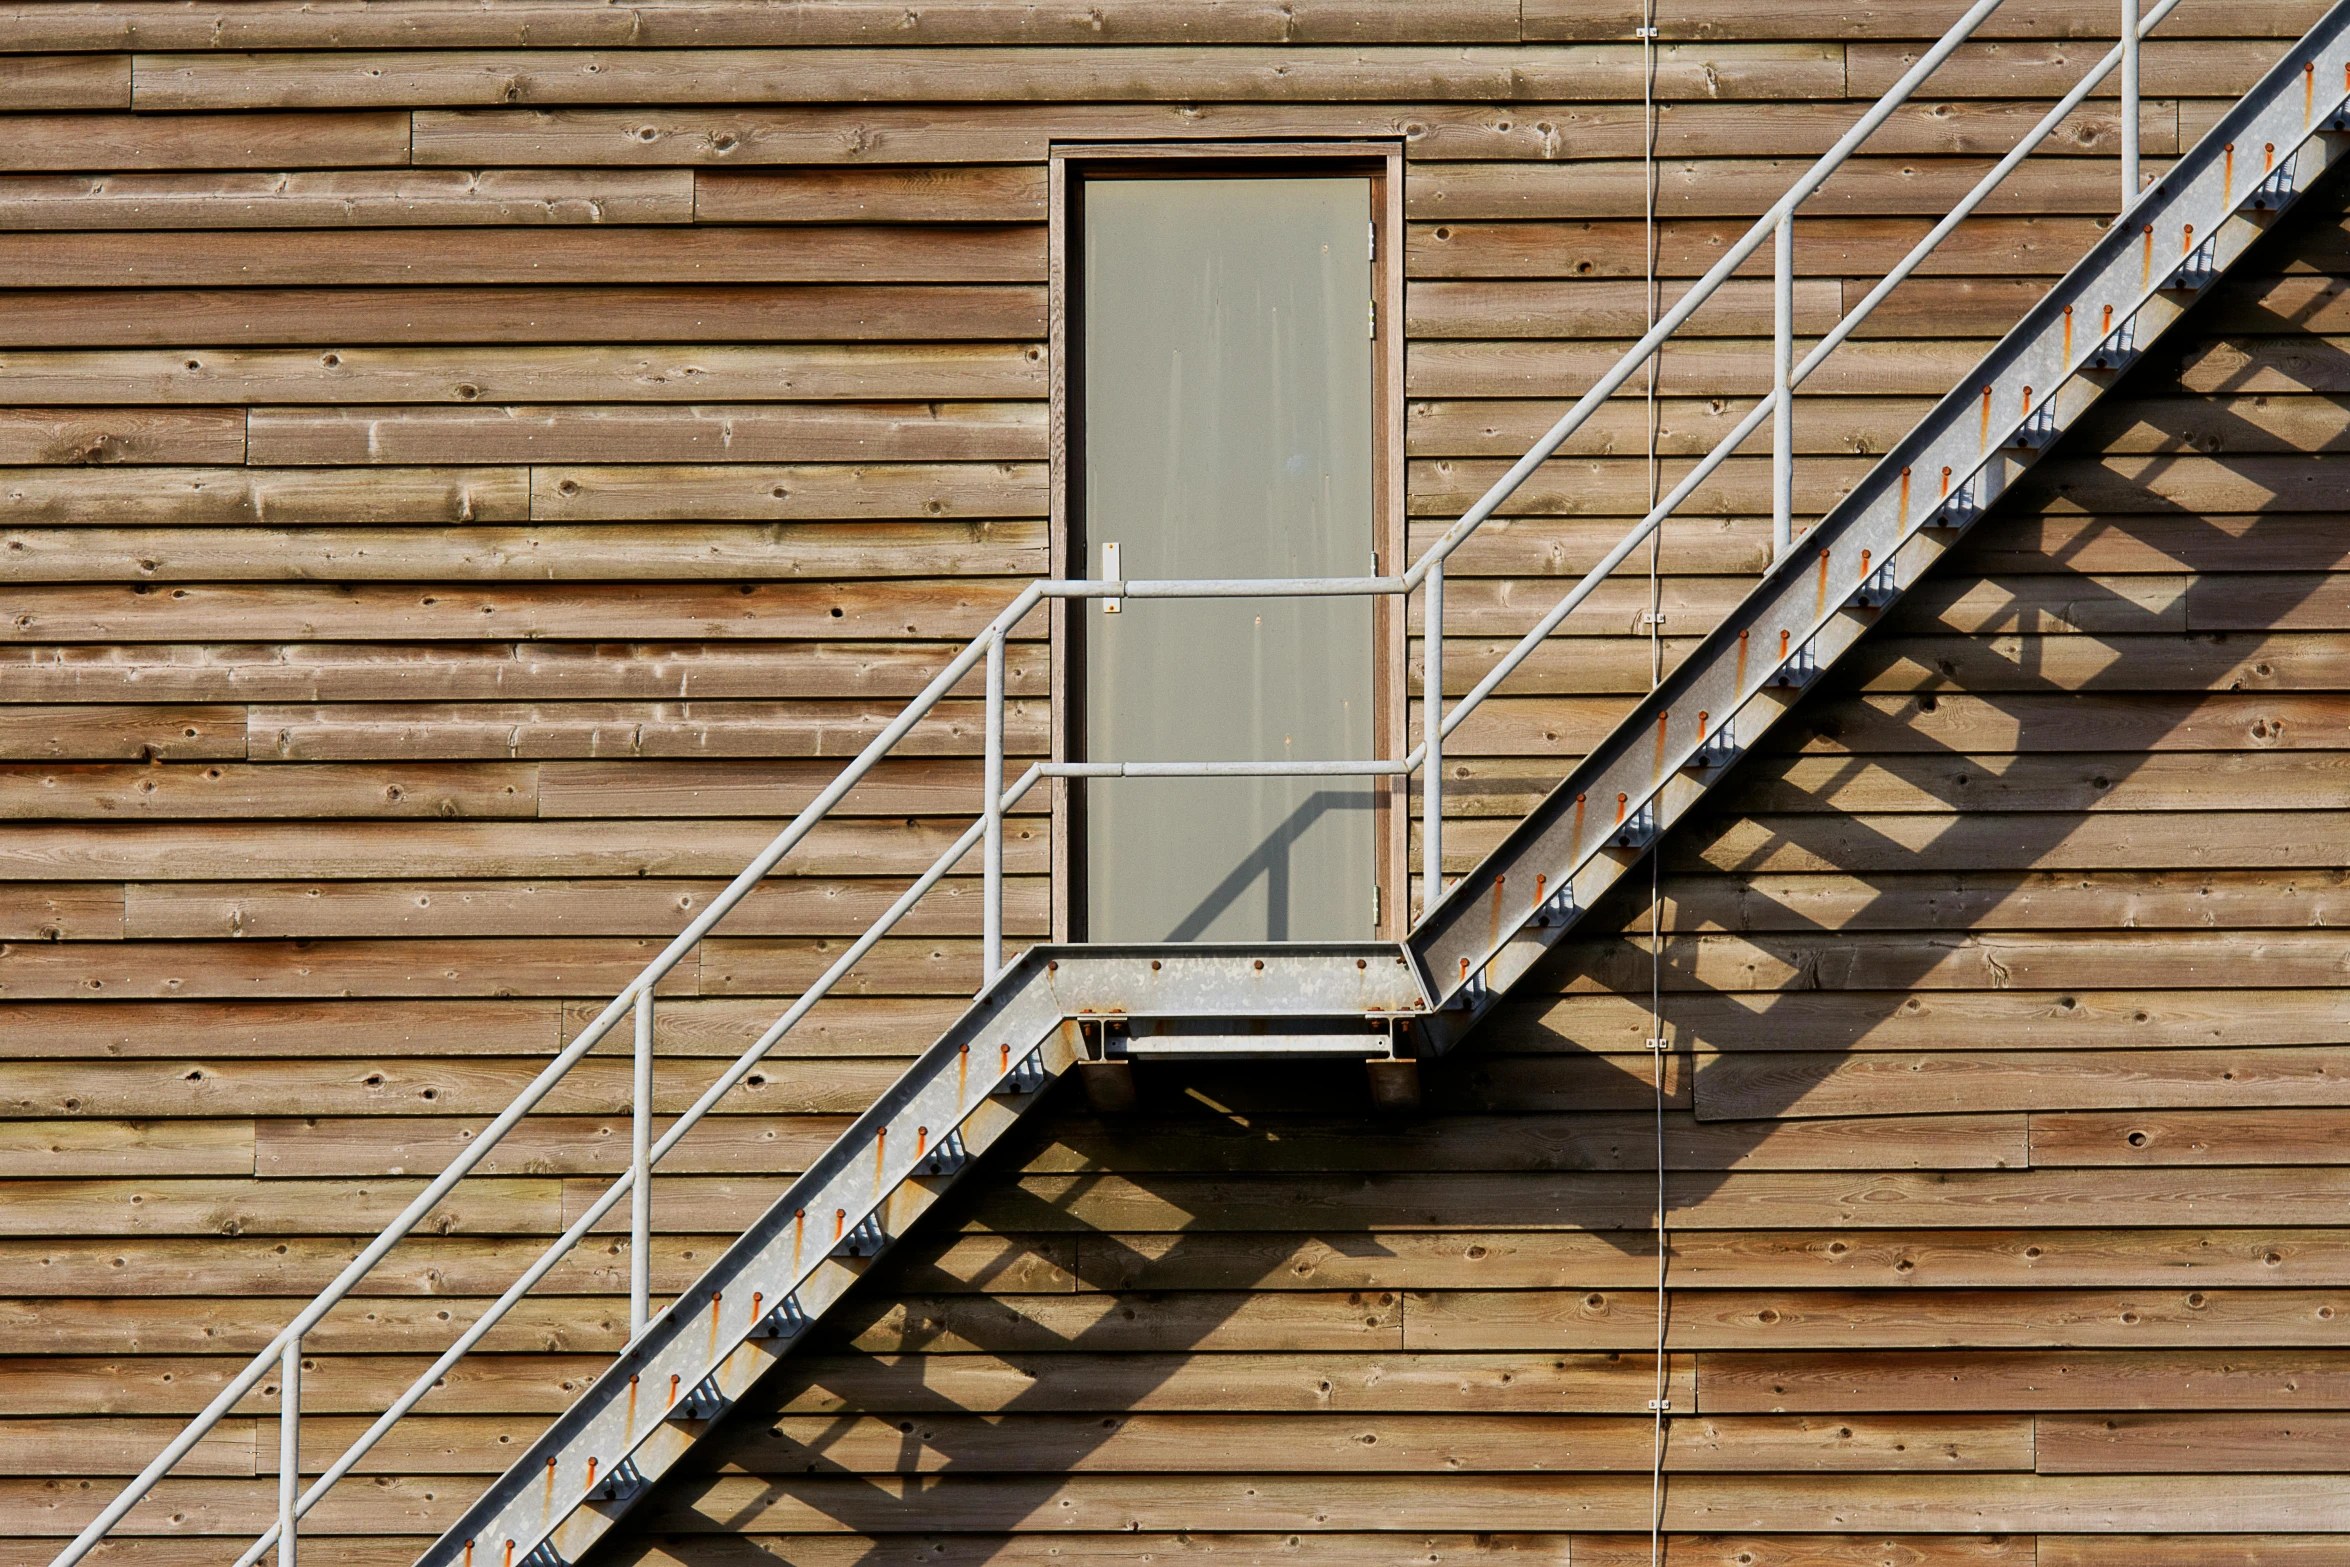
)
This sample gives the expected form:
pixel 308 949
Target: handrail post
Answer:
pixel 1783 388
pixel 289 1447
pixel 991 899
pixel 640 1164
pixel 2130 28
pixel 1432 760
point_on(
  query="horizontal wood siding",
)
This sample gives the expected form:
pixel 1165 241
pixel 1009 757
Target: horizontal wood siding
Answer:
pixel 467 472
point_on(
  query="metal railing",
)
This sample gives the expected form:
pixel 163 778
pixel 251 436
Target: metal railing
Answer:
pixel 986 834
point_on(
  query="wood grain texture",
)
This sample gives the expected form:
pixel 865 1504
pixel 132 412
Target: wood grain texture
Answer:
pixel 470 474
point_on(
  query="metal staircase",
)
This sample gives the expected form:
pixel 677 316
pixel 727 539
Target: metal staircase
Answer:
pixel 1059 1007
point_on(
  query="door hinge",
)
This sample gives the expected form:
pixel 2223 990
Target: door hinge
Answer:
pixel 1374 908
pixel 1374 245
pixel 1374 309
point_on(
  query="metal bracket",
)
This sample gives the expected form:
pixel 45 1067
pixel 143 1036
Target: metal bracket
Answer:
pixel 705 1401
pixel 1956 509
pixel 1663 1406
pixel 1024 1076
pixel 947 1157
pixel 865 1238
pixel 1636 829
pixel 2271 193
pixel 1799 668
pixel 2197 270
pixel 1556 908
pixel 1876 590
pixel 624 1481
pixel 1719 748
pixel 785 1319
pixel 543 1554
pixel 2037 430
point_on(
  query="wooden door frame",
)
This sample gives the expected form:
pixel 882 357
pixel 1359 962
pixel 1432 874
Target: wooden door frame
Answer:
pixel 1382 163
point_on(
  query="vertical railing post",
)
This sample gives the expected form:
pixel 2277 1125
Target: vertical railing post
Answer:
pixel 640 1164
pixel 1432 720
pixel 289 1447
pixel 991 898
pixel 2130 26
pixel 1783 387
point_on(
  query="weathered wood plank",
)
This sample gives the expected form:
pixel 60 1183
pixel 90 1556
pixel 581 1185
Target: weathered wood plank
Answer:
pixel 237 791
pixel 191 1206
pixel 1039 73
pixel 2210 67
pixel 971 193
pixel 122 435
pixel 145 1030
pixel 833 254
pixel 2143 1550
pixel 476 1265
pixel 471 1086
pixel 1757 1084
pixel 179 497
pixel 2211 661
pixel 1940 1503
pixel 1381 1444
pixel 2069 901
pixel 1958 1199
pixel 2208 1443
pixel 2156 781
pixel 2086 1018
pixel 360 672
pixel 1863 844
pixel 951 134
pixel 366 850
pixel 2125 722
pixel 372 612
pixel 284 24
pixel 635 433
pixel 123 1447
pixel 2094 1380
pixel 1962 959
pixel 344 199
pixel 62 911
pixel 541 1383
pixel 590 729
pixel 559 552
pixel 2192 1136
pixel 45 143
pixel 618 313
pixel 124 732
pixel 1526 1141
pixel 53 1149
pixel 1705 1259
pixel 1901 19
pixel 527 374
pixel 65 81
pixel 807 905
pixel 1337 1381
pixel 321 1146
pixel 482 966
pixel 758 491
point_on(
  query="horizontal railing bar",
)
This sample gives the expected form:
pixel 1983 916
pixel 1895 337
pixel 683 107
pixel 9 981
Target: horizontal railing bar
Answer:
pixel 1372 769
pixel 1227 587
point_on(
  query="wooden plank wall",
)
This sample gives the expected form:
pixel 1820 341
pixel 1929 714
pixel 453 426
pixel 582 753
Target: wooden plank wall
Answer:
pixel 469 470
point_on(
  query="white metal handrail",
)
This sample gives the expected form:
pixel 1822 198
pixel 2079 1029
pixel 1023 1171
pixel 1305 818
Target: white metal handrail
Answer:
pixel 1426 575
